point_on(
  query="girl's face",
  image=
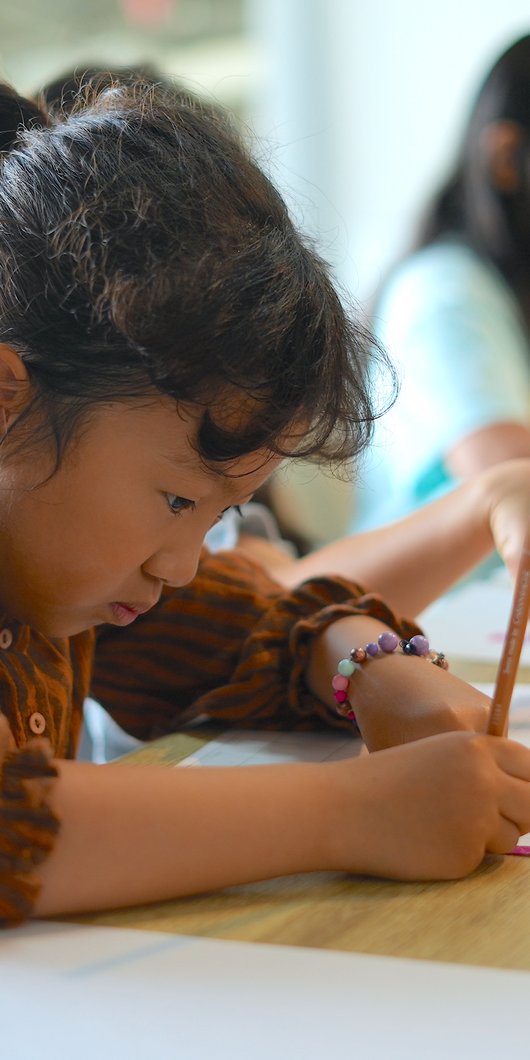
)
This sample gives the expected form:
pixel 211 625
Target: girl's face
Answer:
pixel 125 514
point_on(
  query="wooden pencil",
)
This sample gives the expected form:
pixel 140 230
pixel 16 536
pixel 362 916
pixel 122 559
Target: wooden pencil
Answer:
pixel 512 648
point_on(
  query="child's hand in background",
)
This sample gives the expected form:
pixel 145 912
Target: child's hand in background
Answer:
pixel 507 496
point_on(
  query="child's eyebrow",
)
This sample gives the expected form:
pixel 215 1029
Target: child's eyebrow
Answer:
pixel 188 462
pixel 235 486
pixel 240 500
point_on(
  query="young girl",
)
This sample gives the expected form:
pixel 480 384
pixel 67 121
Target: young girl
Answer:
pixel 165 339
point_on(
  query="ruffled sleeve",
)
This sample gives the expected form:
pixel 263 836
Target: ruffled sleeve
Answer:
pixel 28 825
pixel 232 645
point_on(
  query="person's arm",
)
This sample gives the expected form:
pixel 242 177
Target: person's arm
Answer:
pixel 489 445
pixel 425 810
pixel 413 561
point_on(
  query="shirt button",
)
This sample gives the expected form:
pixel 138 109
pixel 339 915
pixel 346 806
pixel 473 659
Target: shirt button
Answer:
pixel 37 723
pixel 6 638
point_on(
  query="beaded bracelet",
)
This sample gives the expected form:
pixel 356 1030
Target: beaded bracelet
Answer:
pixel 386 644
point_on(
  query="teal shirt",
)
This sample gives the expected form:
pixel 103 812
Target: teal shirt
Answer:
pixel 455 333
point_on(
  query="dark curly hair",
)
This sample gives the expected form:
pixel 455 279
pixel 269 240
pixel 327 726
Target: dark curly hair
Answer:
pixel 142 247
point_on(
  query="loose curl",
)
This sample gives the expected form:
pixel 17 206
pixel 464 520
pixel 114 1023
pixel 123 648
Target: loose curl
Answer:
pixel 142 248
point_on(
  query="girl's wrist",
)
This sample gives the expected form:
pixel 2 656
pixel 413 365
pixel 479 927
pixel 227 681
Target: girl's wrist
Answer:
pixel 357 814
pixel 343 681
pixel 395 698
pixel 334 644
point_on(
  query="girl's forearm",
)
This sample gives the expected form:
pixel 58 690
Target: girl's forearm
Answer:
pixel 411 562
pixel 396 697
pixel 425 810
pixel 139 834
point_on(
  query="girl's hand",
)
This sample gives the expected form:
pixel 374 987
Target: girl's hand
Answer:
pixel 432 809
pixel 506 493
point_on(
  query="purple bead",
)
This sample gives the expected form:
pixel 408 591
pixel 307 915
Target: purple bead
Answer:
pixel 420 644
pixel 388 642
pixel 372 649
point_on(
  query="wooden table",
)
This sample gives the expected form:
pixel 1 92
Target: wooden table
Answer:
pixel 483 920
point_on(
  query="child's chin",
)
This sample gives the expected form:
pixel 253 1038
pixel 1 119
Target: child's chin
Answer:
pixel 59 627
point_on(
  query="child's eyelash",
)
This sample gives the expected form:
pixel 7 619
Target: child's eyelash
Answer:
pixel 231 508
pixel 179 505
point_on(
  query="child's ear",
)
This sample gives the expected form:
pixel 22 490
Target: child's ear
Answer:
pixel 15 390
pixel 501 144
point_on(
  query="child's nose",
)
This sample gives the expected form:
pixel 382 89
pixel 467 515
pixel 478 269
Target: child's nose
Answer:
pixel 176 566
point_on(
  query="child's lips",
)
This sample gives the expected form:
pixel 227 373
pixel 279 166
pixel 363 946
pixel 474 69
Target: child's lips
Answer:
pixel 124 614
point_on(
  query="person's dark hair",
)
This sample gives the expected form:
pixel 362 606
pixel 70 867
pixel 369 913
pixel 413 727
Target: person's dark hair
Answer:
pixel 64 93
pixel 141 247
pixel 469 205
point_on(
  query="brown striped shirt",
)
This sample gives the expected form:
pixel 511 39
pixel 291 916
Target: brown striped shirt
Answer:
pixel 232 645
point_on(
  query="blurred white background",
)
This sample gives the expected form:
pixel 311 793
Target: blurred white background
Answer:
pixel 365 102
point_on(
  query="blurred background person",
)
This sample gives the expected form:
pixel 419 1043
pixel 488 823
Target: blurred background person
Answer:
pixel 454 314
pixel 364 107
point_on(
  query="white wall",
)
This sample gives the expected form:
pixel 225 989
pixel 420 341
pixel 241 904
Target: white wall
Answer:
pixel 362 102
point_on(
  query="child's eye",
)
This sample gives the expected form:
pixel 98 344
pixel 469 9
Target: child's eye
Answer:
pixel 177 505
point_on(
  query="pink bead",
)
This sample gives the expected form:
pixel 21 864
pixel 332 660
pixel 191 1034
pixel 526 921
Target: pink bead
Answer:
pixel 340 696
pixel 340 683
pixel 351 715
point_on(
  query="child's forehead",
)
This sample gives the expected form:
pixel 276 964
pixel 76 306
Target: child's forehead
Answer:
pixel 171 431
pixel 231 473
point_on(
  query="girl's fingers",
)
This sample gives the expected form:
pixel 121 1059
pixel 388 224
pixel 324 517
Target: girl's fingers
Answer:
pixel 514 803
pixel 506 836
pixel 512 757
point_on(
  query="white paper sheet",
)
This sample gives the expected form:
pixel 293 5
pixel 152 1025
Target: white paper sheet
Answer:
pixel 244 748
pixel 110 994
pixel 471 621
